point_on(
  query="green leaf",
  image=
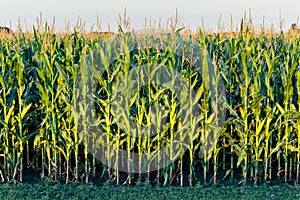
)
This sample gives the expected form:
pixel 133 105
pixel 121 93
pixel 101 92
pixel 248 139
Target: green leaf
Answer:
pixel 10 112
pixel 260 126
pixel 25 110
pixel 280 108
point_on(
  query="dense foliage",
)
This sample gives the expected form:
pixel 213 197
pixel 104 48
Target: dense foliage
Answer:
pixel 39 122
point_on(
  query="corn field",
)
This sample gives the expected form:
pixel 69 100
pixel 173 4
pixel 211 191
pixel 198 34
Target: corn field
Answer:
pixel 40 128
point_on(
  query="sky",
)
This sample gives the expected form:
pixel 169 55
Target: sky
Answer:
pixel 192 12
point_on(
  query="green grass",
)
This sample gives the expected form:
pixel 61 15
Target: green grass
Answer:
pixel 90 191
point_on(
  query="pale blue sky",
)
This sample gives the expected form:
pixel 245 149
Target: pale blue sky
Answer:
pixel 191 11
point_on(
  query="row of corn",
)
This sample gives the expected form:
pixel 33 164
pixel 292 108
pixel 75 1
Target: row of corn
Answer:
pixel 236 116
